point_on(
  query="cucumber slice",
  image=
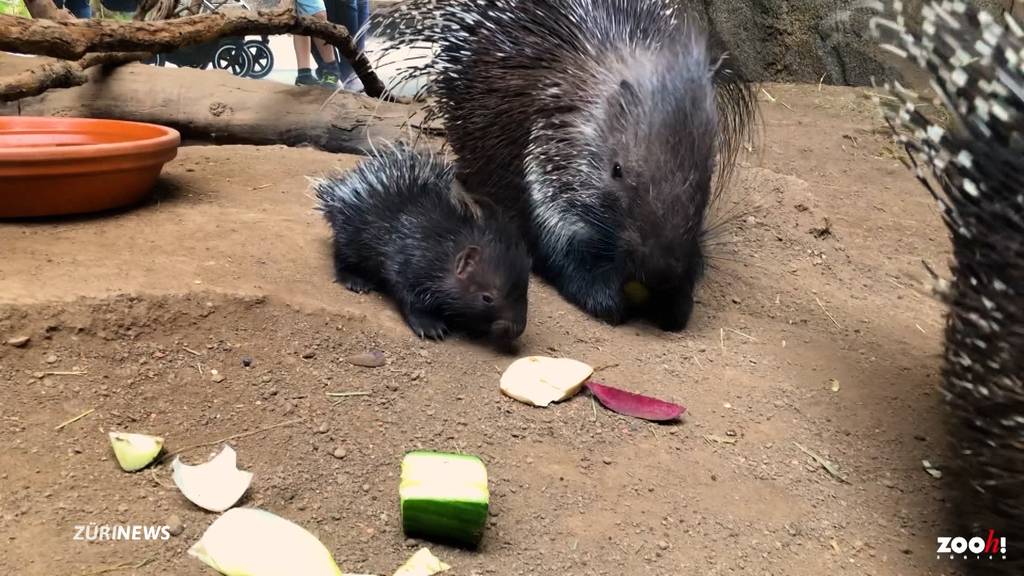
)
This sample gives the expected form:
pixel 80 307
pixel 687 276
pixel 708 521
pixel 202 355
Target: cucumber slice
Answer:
pixel 444 497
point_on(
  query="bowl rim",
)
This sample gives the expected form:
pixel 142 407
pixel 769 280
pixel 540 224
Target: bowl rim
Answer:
pixel 167 138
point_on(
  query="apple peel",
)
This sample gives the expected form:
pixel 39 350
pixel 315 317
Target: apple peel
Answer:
pixel 635 405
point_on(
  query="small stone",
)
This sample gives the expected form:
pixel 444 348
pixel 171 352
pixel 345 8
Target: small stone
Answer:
pixel 246 361
pixel 309 354
pixel 174 525
pixel 736 300
pixel 266 379
pixel 216 376
pixel 606 460
pixel 340 453
pixel 18 341
pixel 322 429
pixel 366 487
pixel 39 375
pixel 51 359
pixel 663 545
pixel 373 359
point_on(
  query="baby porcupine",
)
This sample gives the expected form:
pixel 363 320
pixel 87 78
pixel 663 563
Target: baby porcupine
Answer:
pixel 599 124
pixel 402 225
pixel 974 167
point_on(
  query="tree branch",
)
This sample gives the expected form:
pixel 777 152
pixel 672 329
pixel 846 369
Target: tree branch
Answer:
pixel 220 107
pixel 72 39
pixel 47 9
pixel 60 74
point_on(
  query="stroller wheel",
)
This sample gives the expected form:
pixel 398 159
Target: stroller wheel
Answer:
pixel 229 57
pixel 262 58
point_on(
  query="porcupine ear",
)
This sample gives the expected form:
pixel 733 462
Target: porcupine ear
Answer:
pixel 466 261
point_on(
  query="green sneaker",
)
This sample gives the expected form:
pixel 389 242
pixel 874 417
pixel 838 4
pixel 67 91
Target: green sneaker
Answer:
pixel 329 79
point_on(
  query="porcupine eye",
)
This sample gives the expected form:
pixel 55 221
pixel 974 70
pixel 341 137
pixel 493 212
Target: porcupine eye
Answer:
pixel 617 171
pixel 487 298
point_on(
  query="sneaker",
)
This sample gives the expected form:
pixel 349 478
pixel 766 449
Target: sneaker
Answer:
pixel 329 78
pixel 305 79
pixel 354 84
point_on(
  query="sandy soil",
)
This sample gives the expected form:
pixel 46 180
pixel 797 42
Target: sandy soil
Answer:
pixel 812 331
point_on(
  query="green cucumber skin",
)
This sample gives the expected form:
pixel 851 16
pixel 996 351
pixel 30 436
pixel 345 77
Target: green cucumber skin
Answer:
pixel 455 522
pixel 462 523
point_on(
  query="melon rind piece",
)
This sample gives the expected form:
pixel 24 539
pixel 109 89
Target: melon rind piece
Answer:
pixel 254 542
pixel 135 451
pixel 444 497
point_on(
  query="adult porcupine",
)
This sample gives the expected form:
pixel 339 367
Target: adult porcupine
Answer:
pixel 598 123
pixel 974 167
pixel 403 226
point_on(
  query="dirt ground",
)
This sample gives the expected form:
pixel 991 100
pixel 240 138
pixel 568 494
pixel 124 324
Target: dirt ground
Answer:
pixel 812 332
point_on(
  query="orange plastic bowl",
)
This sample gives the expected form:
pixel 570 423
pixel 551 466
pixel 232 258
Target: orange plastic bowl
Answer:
pixel 58 166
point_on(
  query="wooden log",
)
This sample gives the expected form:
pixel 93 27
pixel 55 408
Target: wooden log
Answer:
pixel 47 9
pixel 60 74
pixel 72 39
pixel 216 106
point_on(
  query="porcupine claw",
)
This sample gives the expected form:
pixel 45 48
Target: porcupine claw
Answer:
pixel 426 326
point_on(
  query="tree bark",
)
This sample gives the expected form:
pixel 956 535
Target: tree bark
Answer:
pixel 46 9
pixel 219 107
pixel 60 74
pixel 72 39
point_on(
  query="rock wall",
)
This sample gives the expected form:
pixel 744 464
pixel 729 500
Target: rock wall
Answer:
pixel 805 40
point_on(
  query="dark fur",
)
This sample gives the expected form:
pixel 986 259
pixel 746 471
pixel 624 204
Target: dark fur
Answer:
pixel 400 228
pixel 975 169
pixel 541 100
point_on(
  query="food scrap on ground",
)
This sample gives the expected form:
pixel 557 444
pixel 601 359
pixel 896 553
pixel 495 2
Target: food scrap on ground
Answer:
pixel 444 497
pixel 254 542
pixel 422 563
pixel 635 405
pixel 135 451
pixel 541 380
pixel 215 485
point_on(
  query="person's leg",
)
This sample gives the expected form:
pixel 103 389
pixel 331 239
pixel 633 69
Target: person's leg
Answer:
pixel 305 75
pixel 329 69
pixel 350 20
pixel 334 16
pixel 316 9
pixel 362 17
pixel 81 9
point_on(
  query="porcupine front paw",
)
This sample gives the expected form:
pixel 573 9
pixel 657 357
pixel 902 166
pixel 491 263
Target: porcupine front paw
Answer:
pixel 427 325
pixel 354 282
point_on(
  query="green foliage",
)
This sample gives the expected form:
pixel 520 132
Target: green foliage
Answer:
pixel 14 8
pixel 17 8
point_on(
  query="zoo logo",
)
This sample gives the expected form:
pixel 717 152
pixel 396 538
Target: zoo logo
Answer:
pixel 994 547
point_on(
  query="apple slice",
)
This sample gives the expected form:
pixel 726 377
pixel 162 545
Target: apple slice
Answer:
pixel 540 380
